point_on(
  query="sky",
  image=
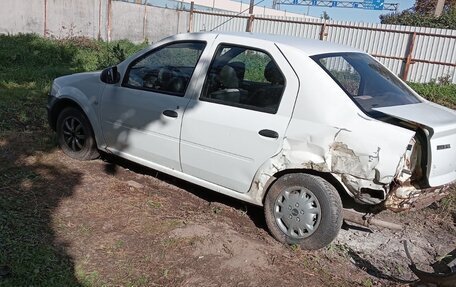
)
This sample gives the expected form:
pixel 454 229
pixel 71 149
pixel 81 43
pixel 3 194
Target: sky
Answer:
pixel 342 14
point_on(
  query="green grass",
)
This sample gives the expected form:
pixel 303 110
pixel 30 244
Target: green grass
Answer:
pixel 28 64
pixel 441 94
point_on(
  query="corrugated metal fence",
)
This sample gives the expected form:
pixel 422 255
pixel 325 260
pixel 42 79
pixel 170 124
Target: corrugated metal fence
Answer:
pixel 417 54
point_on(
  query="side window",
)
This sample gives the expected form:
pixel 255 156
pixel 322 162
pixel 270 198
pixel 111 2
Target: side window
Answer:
pixel 167 69
pixel 344 73
pixel 244 77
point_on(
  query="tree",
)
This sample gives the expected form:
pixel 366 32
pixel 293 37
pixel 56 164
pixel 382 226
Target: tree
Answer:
pixel 325 16
pixel 428 6
pixel 422 14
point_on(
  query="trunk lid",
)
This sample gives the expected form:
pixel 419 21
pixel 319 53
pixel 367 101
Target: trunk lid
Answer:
pixel 440 122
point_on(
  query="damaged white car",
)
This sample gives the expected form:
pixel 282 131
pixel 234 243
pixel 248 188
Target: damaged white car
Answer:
pixel 285 123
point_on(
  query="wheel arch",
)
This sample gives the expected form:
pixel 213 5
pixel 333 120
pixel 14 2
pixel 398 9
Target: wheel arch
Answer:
pixel 284 214
pixel 330 178
pixel 65 102
pixel 58 107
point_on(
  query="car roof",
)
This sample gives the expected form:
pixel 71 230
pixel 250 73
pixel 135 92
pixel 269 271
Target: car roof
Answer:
pixel 309 46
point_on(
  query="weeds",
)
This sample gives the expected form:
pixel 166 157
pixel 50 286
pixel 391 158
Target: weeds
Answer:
pixel 87 278
pixel 217 210
pixel 30 63
pixel 153 204
pixel 368 282
pixel 446 207
pixel 341 249
pixel 444 94
pixel 295 247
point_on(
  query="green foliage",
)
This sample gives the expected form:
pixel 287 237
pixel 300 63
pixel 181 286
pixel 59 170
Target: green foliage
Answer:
pixel 325 16
pixel 349 79
pixel 428 6
pixel 255 63
pixel 444 94
pixel 29 63
pixel 30 58
pixel 413 18
pixel 175 55
pixel 368 282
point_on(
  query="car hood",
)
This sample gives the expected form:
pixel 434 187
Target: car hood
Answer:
pixel 75 78
pixel 440 124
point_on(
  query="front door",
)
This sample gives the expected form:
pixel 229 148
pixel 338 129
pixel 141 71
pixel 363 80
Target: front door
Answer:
pixel 141 118
pixel 241 115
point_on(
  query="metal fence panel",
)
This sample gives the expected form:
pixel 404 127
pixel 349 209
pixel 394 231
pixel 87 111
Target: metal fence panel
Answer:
pixel 433 56
pixel 220 22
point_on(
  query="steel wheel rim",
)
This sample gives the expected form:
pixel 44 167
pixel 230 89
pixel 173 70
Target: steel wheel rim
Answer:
pixel 297 212
pixel 74 134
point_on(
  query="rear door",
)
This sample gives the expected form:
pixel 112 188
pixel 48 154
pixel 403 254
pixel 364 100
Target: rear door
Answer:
pixel 238 117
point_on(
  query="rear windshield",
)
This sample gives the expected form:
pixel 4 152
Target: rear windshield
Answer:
pixel 367 82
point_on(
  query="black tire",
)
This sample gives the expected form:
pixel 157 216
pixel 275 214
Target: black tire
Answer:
pixel 318 193
pixel 75 135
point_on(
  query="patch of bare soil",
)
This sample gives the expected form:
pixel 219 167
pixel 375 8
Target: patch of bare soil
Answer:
pixel 127 225
pixel 381 253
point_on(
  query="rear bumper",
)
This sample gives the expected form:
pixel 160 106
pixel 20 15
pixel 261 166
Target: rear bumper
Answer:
pixel 407 197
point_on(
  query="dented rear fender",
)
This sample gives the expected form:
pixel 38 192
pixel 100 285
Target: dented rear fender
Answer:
pixel 364 156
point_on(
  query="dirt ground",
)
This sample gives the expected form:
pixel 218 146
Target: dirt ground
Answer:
pixel 113 223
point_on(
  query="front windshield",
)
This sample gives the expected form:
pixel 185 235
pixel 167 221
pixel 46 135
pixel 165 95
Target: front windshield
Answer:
pixel 366 81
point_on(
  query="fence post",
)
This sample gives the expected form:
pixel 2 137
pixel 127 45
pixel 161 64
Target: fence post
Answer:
pixel 144 22
pixel 250 23
pixel 323 31
pixel 408 59
pixel 99 19
pixel 190 17
pixel 109 20
pixel 45 19
pixel 248 28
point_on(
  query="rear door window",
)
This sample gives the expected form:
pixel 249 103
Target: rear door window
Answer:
pixel 244 77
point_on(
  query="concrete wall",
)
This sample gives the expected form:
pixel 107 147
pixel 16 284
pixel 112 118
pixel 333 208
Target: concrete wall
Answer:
pixel 90 18
pixel 127 21
pixel 18 16
pixel 161 22
pixel 75 18
pixel 138 22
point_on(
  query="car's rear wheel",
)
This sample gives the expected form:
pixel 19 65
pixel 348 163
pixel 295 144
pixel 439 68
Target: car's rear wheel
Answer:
pixel 75 135
pixel 303 209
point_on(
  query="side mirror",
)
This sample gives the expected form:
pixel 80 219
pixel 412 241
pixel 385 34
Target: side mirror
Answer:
pixel 110 75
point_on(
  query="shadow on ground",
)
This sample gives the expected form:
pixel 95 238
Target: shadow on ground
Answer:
pixel 113 165
pixel 31 188
pixel 30 191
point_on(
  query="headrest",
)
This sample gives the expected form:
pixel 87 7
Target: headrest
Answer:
pixel 273 74
pixel 239 67
pixel 228 78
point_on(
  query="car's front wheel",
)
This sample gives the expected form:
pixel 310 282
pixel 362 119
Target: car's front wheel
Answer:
pixel 75 135
pixel 303 209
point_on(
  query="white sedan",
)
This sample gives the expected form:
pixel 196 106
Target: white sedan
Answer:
pixel 285 123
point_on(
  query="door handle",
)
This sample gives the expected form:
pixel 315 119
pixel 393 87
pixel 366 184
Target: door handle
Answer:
pixel 170 113
pixel 269 133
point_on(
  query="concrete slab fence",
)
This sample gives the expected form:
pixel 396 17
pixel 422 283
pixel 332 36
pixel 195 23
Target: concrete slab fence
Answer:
pixel 415 53
pixel 100 19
